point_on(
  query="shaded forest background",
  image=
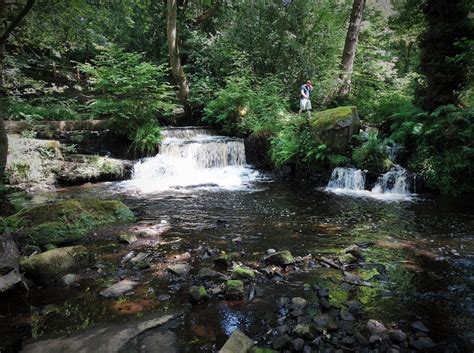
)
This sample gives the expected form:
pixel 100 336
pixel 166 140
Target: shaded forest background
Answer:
pixel 238 65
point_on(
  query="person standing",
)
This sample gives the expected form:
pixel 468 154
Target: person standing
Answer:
pixel 305 103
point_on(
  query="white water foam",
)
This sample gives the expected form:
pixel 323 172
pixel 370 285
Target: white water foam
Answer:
pixel 191 158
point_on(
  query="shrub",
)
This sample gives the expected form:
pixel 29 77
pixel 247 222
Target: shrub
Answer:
pixel 43 109
pixel 147 138
pixel 371 155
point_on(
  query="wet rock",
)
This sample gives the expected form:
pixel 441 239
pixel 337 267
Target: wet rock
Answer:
pixel 237 343
pixel 324 303
pixel 226 259
pixel 376 327
pixel 51 265
pixel 127 238
pixel 112 339
pixel 297 344
pixel 281 258
pixel 321 322
pixel 143 265
pixel 65 221
pixel 139 257
pixel 419 326
pixel 345 315
pixel 283 301
pixel 397 336
pixel 296 313
pixel 281 341
pixel 307 349
pixel 179 269
pixel 354 250
pixel 323 293
pixel 421 343
pixel 164 297
pixel 166 341
pixel 198 294
pixel 282 329
pixel 374 338
pixel 234 289
pixel 243 272
pixel 119 288
pixel 298 303
pixel 271 251
pixel 9 264
pixel 348 341
pixel 355 308
pixel 237 240
pixel 69 279
pixel 360 338
pixel 347 259
pixel 302 330
pixel 207 273
pixel 262 350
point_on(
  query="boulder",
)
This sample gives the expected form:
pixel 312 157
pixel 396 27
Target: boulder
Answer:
pixel 234 289
pixel 281 258
pixel 243 272
pixel 179 269
pixel 9 267
pixel 64 221
pixel 208 273
pixel 376 328
pixel 226 259
pixel 51 265
pixel 198 294
pixel 335 127
pixel 237 343
pixel 119 288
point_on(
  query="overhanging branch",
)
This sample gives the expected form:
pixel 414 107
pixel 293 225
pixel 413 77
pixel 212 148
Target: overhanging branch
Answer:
pixel 16 21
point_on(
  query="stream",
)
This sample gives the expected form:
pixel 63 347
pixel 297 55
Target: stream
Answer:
pixel 418 254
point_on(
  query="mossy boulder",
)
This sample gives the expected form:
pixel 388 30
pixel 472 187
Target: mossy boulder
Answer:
pixel 237 343
pixel 243 272
pixel 198 294
pixel 51 265
pixel 281 258
pixel 65 221
pixel 234 289
pixel 335 127
pixel 226 259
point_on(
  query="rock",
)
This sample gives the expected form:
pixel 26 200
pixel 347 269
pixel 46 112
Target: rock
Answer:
pixel 323 293
pixel 347 259
pixel 376 327
pixel 271 251
pixel 345 315
pixel 51 265
pixel 80 169
pixel 422 343
pixel 282 329
pixel 297 344
pixel 139 257
pixel 237 240
pixel 69 279
pixel 324 303
pixel 281 258
pixel 166 341
pixel 361 338
pixel 354 250
pixel 207 273
pixel 281 341
pixel 64 221
pixel 348 341
pixel 9 266
pixel 419 326
pixel 321 322
pixel 179 269
pixel 113 338
pixel 397 336
pixel 164 297
pixel 335 127
pixel 283 301
pixel 127 238
pixel 355 308
pixel 198 294
pixel 262 350
pixel 119 288
pixel 302 330
pixel 307 349
pixel 234 289
pixel 31 250
pixel 298 303
pixel 226 259
pixel 374 338
pixel 243 272
pixel 237 343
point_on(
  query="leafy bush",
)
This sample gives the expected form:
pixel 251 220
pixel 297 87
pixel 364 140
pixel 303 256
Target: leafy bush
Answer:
pixel 147 138
pixel 371 155
pixel 130 91
pixel 43 109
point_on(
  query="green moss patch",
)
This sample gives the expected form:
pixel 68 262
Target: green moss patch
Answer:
pixel 327 118
pixel 65 221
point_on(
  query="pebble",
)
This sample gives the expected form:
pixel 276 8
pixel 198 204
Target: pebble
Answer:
pixel 299 303
pixel 282 329
pixel 397 335
pixel 164 297
pixel 297 344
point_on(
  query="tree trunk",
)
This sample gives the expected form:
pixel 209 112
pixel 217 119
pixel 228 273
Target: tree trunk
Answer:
pixel 175 61
pixel 350 47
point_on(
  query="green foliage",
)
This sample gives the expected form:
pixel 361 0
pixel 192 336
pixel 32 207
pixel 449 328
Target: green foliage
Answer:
pixel 131 91
pixel 43 109
pixel 147 138
pixel 371 155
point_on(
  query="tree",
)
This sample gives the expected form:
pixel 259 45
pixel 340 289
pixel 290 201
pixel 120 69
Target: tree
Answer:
pixel 175 61
pixel 445 52
pixel 350 46
pixel 6 28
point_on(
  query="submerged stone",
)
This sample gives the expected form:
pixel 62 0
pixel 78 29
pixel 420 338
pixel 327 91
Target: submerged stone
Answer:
pixel 281 258
pixel 119 288
pixel 198 294
pixel 234 289
pixel 65 221
pixel 237 343
pixel 51 265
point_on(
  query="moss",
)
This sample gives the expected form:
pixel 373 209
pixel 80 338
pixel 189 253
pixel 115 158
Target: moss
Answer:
pixel 234 289
pixel 243 272
pixel 65 221
pixel 281 258
pixel 226 259
pixel 198 294
pixel 327 118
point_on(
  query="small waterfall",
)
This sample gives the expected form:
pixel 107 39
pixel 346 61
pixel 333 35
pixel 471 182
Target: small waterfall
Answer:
pixel 394 185
pixel 394 150
pixel 193 157
pixel 347 178
pixel 395 181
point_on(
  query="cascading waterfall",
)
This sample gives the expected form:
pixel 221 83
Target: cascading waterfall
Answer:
pixel 193 157
pixel 396 184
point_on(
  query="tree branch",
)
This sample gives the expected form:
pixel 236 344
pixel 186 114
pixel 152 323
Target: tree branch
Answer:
pixel 16 21
pixel 206 14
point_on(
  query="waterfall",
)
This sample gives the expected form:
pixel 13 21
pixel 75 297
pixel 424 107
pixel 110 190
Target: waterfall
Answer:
pixel 395 181
pixel 347 178
pixel 192 157
pixel 395 185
